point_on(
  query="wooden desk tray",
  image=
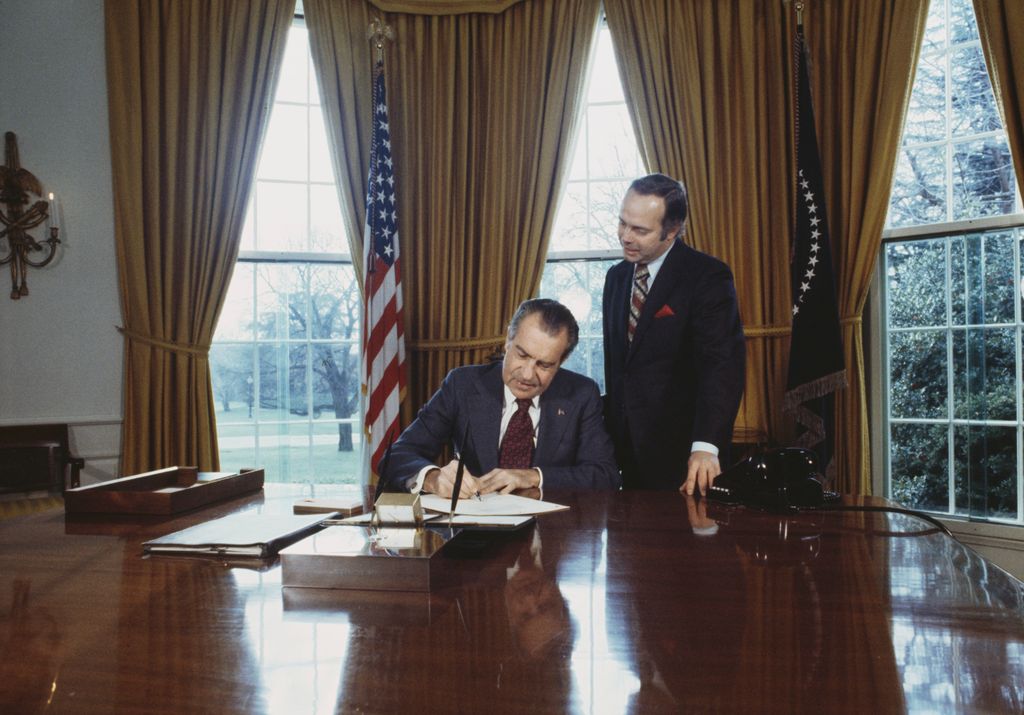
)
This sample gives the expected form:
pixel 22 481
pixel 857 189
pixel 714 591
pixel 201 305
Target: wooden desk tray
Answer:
pixel 164 491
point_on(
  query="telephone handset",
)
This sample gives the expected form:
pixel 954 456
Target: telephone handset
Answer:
pixel 779 478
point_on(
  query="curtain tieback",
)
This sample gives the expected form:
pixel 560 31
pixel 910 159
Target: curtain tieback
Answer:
pixel 777 331
pixel 467 344
pixel 182 348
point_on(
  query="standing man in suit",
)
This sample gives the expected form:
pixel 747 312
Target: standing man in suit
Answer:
pixel 674 352
pixel 519 424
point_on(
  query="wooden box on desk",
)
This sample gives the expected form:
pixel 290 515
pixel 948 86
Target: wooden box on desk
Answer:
pixel 164 491
pixel 367 558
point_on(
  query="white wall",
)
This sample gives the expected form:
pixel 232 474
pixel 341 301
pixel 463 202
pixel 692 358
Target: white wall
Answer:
pixel 60 354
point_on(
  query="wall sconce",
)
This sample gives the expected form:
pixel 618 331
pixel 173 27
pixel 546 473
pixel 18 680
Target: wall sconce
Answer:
pixel 16 245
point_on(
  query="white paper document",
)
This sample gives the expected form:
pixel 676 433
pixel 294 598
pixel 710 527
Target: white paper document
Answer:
pixel 491 505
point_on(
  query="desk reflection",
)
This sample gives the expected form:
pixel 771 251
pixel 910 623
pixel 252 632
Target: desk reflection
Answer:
pixel 626 602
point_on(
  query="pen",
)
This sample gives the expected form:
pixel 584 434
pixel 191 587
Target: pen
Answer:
pixel 457 487
pixel 478 497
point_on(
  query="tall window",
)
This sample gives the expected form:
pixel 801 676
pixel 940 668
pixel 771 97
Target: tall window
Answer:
pixel 285 357
pixel 584 244
pixel 952 290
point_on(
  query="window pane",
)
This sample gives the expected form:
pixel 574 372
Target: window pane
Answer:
pixel 935 28
pixel 336 453
pixel 281 301
pixel 917 374
pixel 962 24
pixel 293 81
pixel 282 221
pixel 926 115
pixel 913 270
pixel 983 287
pixel 320 168
pixel 986 469
pixel 612 146
pixel 285 146
pixel 919 187
pixel 232 375
pixel 326 231
pixel 282 382
pixel 983 179
pixel 604 77
pixel 920 466
pixel 984 369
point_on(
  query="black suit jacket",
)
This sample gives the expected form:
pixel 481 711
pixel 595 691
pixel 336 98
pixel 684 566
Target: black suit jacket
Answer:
pixel 573 450
pixel 681 379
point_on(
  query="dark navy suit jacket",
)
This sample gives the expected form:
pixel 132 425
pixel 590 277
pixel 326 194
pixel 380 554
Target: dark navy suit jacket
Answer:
pixel 681 378
pixel 573 449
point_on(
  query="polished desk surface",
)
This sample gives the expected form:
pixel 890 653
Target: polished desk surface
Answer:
pixel 636 602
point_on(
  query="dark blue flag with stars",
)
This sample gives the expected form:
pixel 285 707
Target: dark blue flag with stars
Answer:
pixel 816 365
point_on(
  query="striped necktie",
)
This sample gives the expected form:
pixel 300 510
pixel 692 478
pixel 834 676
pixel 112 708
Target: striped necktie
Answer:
pixel 636 304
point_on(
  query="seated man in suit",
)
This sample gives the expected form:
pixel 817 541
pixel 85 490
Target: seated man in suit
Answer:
pixel 519 424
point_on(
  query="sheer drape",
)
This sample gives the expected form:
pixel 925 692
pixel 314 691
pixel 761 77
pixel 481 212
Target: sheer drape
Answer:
pixel 709 81
pixel 1001 27
pixel 483 110
pixel 189 87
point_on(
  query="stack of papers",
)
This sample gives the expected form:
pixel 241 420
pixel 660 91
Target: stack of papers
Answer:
pixel 491 505
pixel 490 511
pixel 245 534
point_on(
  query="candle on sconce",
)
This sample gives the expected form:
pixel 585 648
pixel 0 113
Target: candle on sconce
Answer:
pixel 54 211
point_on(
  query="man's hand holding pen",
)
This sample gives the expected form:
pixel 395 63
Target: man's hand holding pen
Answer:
pixel 441 480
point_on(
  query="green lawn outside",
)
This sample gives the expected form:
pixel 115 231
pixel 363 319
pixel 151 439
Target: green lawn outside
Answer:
pixel 285 453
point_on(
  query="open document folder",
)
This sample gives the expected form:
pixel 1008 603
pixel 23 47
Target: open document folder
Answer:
pixel 245 534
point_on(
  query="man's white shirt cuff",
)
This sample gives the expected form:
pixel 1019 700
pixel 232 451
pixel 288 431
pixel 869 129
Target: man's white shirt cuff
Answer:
pixel 703 447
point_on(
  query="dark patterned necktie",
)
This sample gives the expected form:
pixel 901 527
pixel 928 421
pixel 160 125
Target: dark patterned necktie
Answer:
pixel 636 303
pixel 516 451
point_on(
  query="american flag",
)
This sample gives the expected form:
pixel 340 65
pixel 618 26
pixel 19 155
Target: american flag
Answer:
pixel 816 365
pixel 383 332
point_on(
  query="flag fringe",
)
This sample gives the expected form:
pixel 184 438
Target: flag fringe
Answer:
pixel 819 387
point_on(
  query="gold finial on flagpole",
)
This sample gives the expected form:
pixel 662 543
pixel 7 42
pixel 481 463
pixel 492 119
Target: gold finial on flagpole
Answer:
pixel 379 32
pixel 799 7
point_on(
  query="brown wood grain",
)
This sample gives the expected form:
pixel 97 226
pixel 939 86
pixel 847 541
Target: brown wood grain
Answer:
pixel 641 602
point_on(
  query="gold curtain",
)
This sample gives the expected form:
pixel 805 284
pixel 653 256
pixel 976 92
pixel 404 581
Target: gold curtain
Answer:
pixel 1001 26
pixel 190 84
pixel 483 110
pixel 344 65
pixel 707 84
pixel 709 100
pixel 863 56
pixel 443 7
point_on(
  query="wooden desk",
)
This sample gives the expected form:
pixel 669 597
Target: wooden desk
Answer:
pixel 614 606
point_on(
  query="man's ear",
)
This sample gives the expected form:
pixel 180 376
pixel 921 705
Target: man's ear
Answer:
pixel 673 232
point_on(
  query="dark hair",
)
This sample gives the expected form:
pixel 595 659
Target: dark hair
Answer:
pixel 554 318
pixel 667 188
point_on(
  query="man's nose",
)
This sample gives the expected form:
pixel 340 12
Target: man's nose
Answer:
pixel 528 370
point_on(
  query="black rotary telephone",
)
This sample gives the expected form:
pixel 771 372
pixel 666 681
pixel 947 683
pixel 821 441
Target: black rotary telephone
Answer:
pixel 776 479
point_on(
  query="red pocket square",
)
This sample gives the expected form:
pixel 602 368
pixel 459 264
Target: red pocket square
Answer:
pixel 664 311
